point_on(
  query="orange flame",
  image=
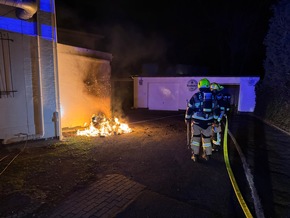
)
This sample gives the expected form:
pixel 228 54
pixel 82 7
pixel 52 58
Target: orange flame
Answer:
pixel 101 126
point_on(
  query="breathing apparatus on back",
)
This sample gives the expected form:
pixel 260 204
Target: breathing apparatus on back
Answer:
pixel 205 96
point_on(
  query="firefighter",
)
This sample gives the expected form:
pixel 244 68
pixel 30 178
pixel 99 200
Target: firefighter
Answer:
pixel 225 103
pixel 218 115
pixel 199 112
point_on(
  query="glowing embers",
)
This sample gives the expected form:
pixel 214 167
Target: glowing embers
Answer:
pixel 102 126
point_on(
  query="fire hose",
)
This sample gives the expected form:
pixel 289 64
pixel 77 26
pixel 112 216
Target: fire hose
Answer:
pixel 5 168
pixel 232 177
pixel 230 172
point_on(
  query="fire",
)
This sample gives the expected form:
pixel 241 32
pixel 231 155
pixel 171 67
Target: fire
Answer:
pixel 102 126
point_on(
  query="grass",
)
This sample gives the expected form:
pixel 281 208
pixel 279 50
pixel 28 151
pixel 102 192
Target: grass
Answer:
pixel 45 171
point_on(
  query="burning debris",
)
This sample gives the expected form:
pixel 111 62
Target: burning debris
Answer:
pixel 102 126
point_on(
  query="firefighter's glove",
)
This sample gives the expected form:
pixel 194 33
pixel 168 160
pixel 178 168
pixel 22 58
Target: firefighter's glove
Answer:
pixel 187 118
pixel 216 124
pixel 214 129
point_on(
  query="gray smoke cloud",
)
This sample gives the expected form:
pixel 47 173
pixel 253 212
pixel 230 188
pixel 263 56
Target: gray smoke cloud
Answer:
pixel 131 48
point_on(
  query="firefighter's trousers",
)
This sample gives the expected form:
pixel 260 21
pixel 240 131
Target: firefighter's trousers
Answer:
pixel 216 134
pixel 198 135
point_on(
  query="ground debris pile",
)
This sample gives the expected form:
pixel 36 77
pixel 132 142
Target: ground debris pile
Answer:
pixel 102 126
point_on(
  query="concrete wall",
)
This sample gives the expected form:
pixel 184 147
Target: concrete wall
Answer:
pixel 172 93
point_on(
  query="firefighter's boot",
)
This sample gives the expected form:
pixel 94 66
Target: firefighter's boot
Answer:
pixel 194 157
pixel 205 156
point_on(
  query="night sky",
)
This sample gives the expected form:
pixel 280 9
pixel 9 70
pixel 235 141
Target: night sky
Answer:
pixel 225 36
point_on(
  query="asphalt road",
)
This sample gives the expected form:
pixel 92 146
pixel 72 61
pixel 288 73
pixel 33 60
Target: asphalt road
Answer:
pixel 155 157
pixel 207 185
pixel 166 169
pixel 267 152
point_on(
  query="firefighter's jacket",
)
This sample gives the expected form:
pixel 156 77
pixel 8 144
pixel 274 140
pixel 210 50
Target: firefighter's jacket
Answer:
pixel 195 110
pixel 222 104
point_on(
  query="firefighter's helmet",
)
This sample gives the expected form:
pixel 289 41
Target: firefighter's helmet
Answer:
pixel 216 87
pixel 204 83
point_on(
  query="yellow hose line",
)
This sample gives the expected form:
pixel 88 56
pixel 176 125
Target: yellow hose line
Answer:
pixel 232 177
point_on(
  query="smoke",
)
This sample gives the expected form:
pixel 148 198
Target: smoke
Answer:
pixel 131 44
pixel 66 18
pixel 97 80
pixel 84 88
pixel 132 47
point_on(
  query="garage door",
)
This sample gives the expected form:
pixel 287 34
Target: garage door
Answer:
pixel 163 96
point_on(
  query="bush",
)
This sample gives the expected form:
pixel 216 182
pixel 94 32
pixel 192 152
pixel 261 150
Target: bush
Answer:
pixel 273 96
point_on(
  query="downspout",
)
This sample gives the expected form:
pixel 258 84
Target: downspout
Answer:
pixel 57 114
pixel 40 130
pixel 25 9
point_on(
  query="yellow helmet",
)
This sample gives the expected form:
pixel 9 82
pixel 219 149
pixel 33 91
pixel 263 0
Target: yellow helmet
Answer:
pixel 204 83
pixel 216 87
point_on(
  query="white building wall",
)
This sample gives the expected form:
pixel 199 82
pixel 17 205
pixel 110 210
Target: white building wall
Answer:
pixel 16 111
pixel 185 90
pixel 84 85
pixel 29 113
